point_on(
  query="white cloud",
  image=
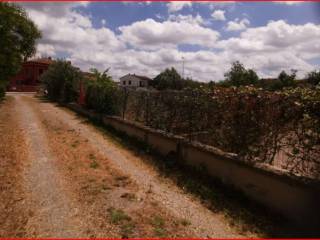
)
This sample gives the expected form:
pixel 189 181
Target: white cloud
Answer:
pixel 71 32
pixel 288 2
pixel 54 9
pixel 187 18
pixel 178 5
pixel 217 4
pixel 134 2
pixel 238 25
pixel 149 34
pixel 45 50
pixel 202 65
pixel 159 16
pixel 88 47
pixel 279 34
pixel 275 47
pixel 267 49
pixel 218 15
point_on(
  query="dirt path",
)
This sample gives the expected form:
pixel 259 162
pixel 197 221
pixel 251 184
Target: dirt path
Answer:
pixel 54 215
pixel 81 184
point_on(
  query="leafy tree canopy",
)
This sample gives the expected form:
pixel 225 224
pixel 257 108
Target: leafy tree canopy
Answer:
pixel 168 79
pixel 102 93
pixel 240 76
pixel 101 77
pixel 313 77
pixel 286 79
pixel 18 35
pixel 62 81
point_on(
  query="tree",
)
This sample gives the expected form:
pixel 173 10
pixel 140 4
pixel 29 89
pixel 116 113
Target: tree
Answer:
pixel 102 93
pixel 240 76
pixel 18 35
pixel 190 83
pixel 287 80
pixel 313 78
pixel 62 81
pixel 101 77
pixel 168 79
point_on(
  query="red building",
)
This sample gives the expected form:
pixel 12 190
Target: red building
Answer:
pixel 27 80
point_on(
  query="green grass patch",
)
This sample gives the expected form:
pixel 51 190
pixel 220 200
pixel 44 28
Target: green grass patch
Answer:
pixel 185 222
pixel 127 229
pixel 118 216
pixel 158 224
pixel 94 165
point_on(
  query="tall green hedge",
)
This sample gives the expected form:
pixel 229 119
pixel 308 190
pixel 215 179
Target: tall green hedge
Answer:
pixel 62 81
pixel 102 94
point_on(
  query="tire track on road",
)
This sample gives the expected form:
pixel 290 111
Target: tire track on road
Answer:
pixel 55 216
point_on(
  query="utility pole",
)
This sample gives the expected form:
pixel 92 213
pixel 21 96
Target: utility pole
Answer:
pixel 183 67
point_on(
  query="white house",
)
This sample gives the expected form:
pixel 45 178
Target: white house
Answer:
pixel 135 81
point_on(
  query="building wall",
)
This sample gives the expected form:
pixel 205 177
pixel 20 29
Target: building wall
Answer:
pixel 28 77
pixel 132 81
pixel 295 198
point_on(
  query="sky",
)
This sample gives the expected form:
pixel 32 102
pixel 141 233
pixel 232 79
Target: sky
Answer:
pixel 146 37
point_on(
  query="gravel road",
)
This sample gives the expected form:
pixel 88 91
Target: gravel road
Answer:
pixel 51 191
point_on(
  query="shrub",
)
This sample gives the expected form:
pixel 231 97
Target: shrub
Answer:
pixel 313 77
pixel 168 79
pixel 287 80
pixel 62 81
pixel 253 123
pixel 302 145
pixel 102 94
pixel 240 76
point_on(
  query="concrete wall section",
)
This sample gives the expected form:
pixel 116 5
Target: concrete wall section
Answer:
pixel 294 197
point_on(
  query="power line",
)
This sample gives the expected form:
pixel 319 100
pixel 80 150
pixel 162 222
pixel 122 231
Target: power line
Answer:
pixel 182 67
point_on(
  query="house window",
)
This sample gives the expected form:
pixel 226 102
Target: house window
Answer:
pixel 140 83
pixel 40 71
pixel 129 82
pixel 124 82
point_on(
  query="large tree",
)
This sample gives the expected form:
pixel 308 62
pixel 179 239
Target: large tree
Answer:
pixel 287 80
pixel 240 76
pixel 313 77
pixel 103 94
pixel 62 81
pixel 18 35
pixel 168 79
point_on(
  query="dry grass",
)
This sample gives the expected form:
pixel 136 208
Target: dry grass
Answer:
pixel 116 205
pixel 13 154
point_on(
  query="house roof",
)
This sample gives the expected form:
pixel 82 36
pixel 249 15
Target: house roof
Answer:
pixel 41 60
pixel 138 76
pixel 143 77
